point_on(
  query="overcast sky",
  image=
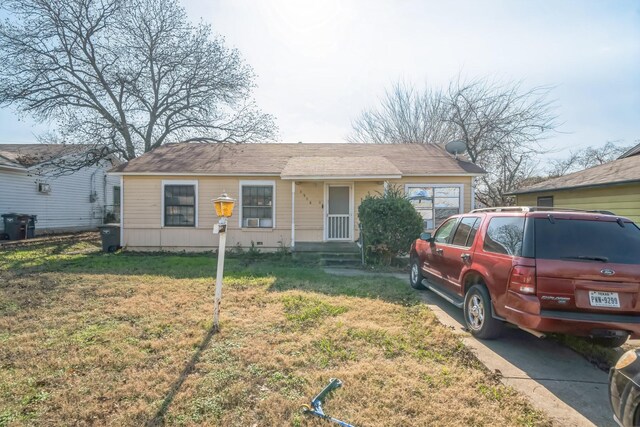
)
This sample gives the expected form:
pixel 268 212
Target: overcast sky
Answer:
pixel 319 63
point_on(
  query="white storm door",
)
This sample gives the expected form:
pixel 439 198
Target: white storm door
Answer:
pixel 338 221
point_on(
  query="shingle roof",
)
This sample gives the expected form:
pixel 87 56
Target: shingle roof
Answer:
pixel 615 172
pixel 634 151
pixel 26 155
pixel 372 166
pixel 274 159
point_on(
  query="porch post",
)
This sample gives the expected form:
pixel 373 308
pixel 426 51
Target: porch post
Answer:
pixel 293 214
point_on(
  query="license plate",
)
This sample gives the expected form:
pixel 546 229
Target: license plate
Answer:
pixel 604 299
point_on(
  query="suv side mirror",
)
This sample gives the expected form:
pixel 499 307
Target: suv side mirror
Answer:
pixel 426 237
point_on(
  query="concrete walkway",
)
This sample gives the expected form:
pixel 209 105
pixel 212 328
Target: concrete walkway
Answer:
pixel 556 380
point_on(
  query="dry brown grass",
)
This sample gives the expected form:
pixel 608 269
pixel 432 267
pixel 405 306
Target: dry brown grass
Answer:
pixel 93 339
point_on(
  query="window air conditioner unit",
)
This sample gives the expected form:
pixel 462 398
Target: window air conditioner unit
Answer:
pixel 253 222
pixel 44 188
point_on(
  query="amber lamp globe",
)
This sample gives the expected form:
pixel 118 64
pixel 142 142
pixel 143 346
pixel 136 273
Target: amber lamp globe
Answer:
pixel 224 205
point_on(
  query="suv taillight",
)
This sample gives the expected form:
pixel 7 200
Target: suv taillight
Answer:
pixel 523 279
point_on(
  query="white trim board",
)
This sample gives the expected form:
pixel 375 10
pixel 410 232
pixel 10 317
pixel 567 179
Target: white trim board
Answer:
pixel 177 182
pixel 333 178
pixel 277 174
pixel 122 211
pixel 270 174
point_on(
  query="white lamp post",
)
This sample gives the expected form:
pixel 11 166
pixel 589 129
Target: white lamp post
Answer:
pixel 224 209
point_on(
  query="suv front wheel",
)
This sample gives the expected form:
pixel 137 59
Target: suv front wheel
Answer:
pixel 415 275
pixel 477 314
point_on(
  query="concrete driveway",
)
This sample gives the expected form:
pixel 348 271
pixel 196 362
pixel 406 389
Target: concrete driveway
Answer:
pixel 554 378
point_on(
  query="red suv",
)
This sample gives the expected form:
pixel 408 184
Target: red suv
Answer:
pixel 542 269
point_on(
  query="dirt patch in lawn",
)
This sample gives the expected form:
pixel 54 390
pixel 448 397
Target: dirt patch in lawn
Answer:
pixel 125 339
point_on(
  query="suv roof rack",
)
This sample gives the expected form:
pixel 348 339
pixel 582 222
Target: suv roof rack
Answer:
pixel 537 209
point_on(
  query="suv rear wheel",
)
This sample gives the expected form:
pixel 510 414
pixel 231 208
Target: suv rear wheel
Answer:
pixel 477 314
pixel 415 275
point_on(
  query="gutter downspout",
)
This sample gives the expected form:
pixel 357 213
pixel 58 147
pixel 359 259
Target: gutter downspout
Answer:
pixel 122 211
pixel 473 193
pixel 293 215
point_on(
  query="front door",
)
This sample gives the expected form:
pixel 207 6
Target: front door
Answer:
pixel 338 222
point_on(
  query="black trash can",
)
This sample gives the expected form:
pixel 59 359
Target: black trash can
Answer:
pixel 110 234
pixel 19 226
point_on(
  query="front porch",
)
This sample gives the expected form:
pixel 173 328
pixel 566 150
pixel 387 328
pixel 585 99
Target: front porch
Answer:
pixel 324 214
pixel 330 254
pixel 326 192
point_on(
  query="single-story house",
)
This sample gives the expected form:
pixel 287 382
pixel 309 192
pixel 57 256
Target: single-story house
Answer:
pixel 288 195
pixel 30 184
pixel 613 187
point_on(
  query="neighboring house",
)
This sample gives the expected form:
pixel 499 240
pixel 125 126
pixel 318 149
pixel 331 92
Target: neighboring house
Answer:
pixel 613 186
pixel 288 195
pixel 29 184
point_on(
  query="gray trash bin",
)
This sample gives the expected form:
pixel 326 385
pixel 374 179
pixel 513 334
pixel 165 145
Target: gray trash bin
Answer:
pixel 19 226
pixel 110 234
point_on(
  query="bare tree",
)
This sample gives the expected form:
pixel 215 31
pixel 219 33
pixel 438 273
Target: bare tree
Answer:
pixel 501 125
pixel 405 115
pixel 586 158
pixel 125 76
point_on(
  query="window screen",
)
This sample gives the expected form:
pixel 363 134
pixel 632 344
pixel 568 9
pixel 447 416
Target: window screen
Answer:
pixel 546 201
pixel 504 235
pixel 179 206
pixel 116 195
pixel 257 206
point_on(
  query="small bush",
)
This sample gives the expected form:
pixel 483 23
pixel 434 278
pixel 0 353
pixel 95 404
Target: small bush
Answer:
pixel 390 224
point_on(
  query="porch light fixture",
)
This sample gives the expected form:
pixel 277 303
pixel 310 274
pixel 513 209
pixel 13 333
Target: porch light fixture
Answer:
pixel 224 206
pixel 224 209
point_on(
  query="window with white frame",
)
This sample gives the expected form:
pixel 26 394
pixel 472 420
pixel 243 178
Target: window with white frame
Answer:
pixel 179 204
pixel 257 204
pixel 435 203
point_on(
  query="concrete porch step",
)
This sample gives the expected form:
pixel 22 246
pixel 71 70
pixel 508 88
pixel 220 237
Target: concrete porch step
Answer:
pixel 341 262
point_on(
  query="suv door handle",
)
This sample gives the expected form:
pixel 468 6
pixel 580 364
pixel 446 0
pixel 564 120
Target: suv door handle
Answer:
pixel 439 251
pixel 465 257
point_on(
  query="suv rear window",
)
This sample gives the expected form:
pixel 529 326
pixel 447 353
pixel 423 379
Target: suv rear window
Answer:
pixel 603 241
pixel 504 235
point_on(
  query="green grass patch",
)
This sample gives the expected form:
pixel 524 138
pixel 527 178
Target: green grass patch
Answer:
pixel 306 311
pixel 119 339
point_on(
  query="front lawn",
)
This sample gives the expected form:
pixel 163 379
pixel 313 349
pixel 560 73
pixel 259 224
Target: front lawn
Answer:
pixel 100 339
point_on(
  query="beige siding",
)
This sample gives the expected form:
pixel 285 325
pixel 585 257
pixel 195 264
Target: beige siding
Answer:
pixel 143 212
pixel 622 200
pixel 142 204
pixel 143 215
pixel 309 215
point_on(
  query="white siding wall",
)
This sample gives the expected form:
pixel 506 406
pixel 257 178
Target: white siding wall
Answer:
pixel 67 206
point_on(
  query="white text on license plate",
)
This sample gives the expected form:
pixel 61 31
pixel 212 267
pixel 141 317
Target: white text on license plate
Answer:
pixel 604 299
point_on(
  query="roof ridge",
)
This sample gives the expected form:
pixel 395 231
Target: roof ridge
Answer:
pixel 227 158
pixel 547 184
